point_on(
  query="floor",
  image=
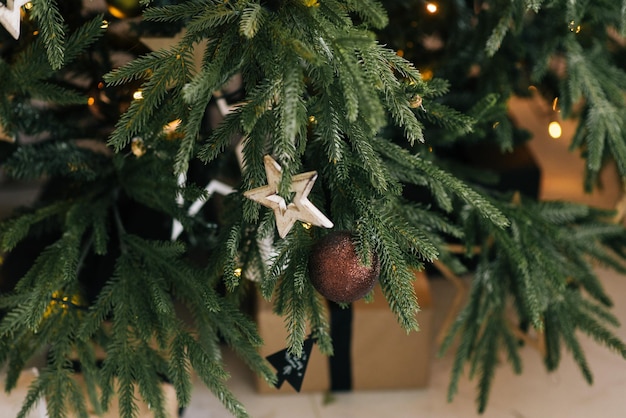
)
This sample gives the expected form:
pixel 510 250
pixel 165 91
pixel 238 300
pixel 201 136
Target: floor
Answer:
pixel 533 394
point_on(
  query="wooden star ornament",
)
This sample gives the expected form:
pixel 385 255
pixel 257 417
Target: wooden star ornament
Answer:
pixel 300 208
pixel 10 16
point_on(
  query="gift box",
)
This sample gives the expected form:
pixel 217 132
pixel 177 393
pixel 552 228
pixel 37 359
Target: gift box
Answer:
pixel 371 350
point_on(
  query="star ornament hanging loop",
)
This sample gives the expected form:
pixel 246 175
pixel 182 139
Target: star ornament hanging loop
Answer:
pixel 299 209
pixel 10 16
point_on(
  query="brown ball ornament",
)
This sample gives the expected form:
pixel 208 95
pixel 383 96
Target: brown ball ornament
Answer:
pixel 336 271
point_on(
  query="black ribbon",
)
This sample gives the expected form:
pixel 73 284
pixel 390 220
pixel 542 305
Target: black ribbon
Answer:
pixel 341 333
pixel 292 369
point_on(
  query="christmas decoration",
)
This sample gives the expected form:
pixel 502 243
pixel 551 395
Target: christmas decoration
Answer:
pixel 336 270
pixel 61 303
pixel 10 16
pixel 138 147
pixel 299 209
pixel 123 9
pixel 384 100
pixel 214 186
pixel 415 101
pixel 292 368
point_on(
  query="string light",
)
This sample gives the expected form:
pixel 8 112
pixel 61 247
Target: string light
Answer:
pixel 138 147
pixel 63 303
pixel 415 101
pixel 138 95
pixel 555 130
pixel 432 8
pixel 105 24
pixel 573 27
pixel 116 12
pixel 91 101
pixel 426 74
pixel 237 272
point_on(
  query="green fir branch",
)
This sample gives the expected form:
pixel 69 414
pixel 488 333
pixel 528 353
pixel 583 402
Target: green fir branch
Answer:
pixel 50 21
pixel 499 32
pixel 534 5
pixel 213 17
pixel 371 11
pixel 176 12
pixel 252 19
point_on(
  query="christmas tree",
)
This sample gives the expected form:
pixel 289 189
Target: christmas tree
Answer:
pixel 339 124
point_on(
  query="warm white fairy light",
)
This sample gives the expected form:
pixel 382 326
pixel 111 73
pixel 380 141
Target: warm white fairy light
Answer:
pixel 432 8
pixel 574 27
pixel 555 130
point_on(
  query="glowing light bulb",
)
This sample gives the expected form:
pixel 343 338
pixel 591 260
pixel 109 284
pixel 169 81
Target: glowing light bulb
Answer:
pixel 432 8
pixel 555 130
pixel 105 24
pixel 138 147
pixel 574 27
pixel 91 101
pixel 237 272
pixel 427 74
pixel 138 95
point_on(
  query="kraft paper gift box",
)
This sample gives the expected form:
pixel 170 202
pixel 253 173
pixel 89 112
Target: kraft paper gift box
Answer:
pixel 372 351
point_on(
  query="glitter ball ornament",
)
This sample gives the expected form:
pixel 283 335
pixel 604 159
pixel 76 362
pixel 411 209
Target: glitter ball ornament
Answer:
pixel 336 271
